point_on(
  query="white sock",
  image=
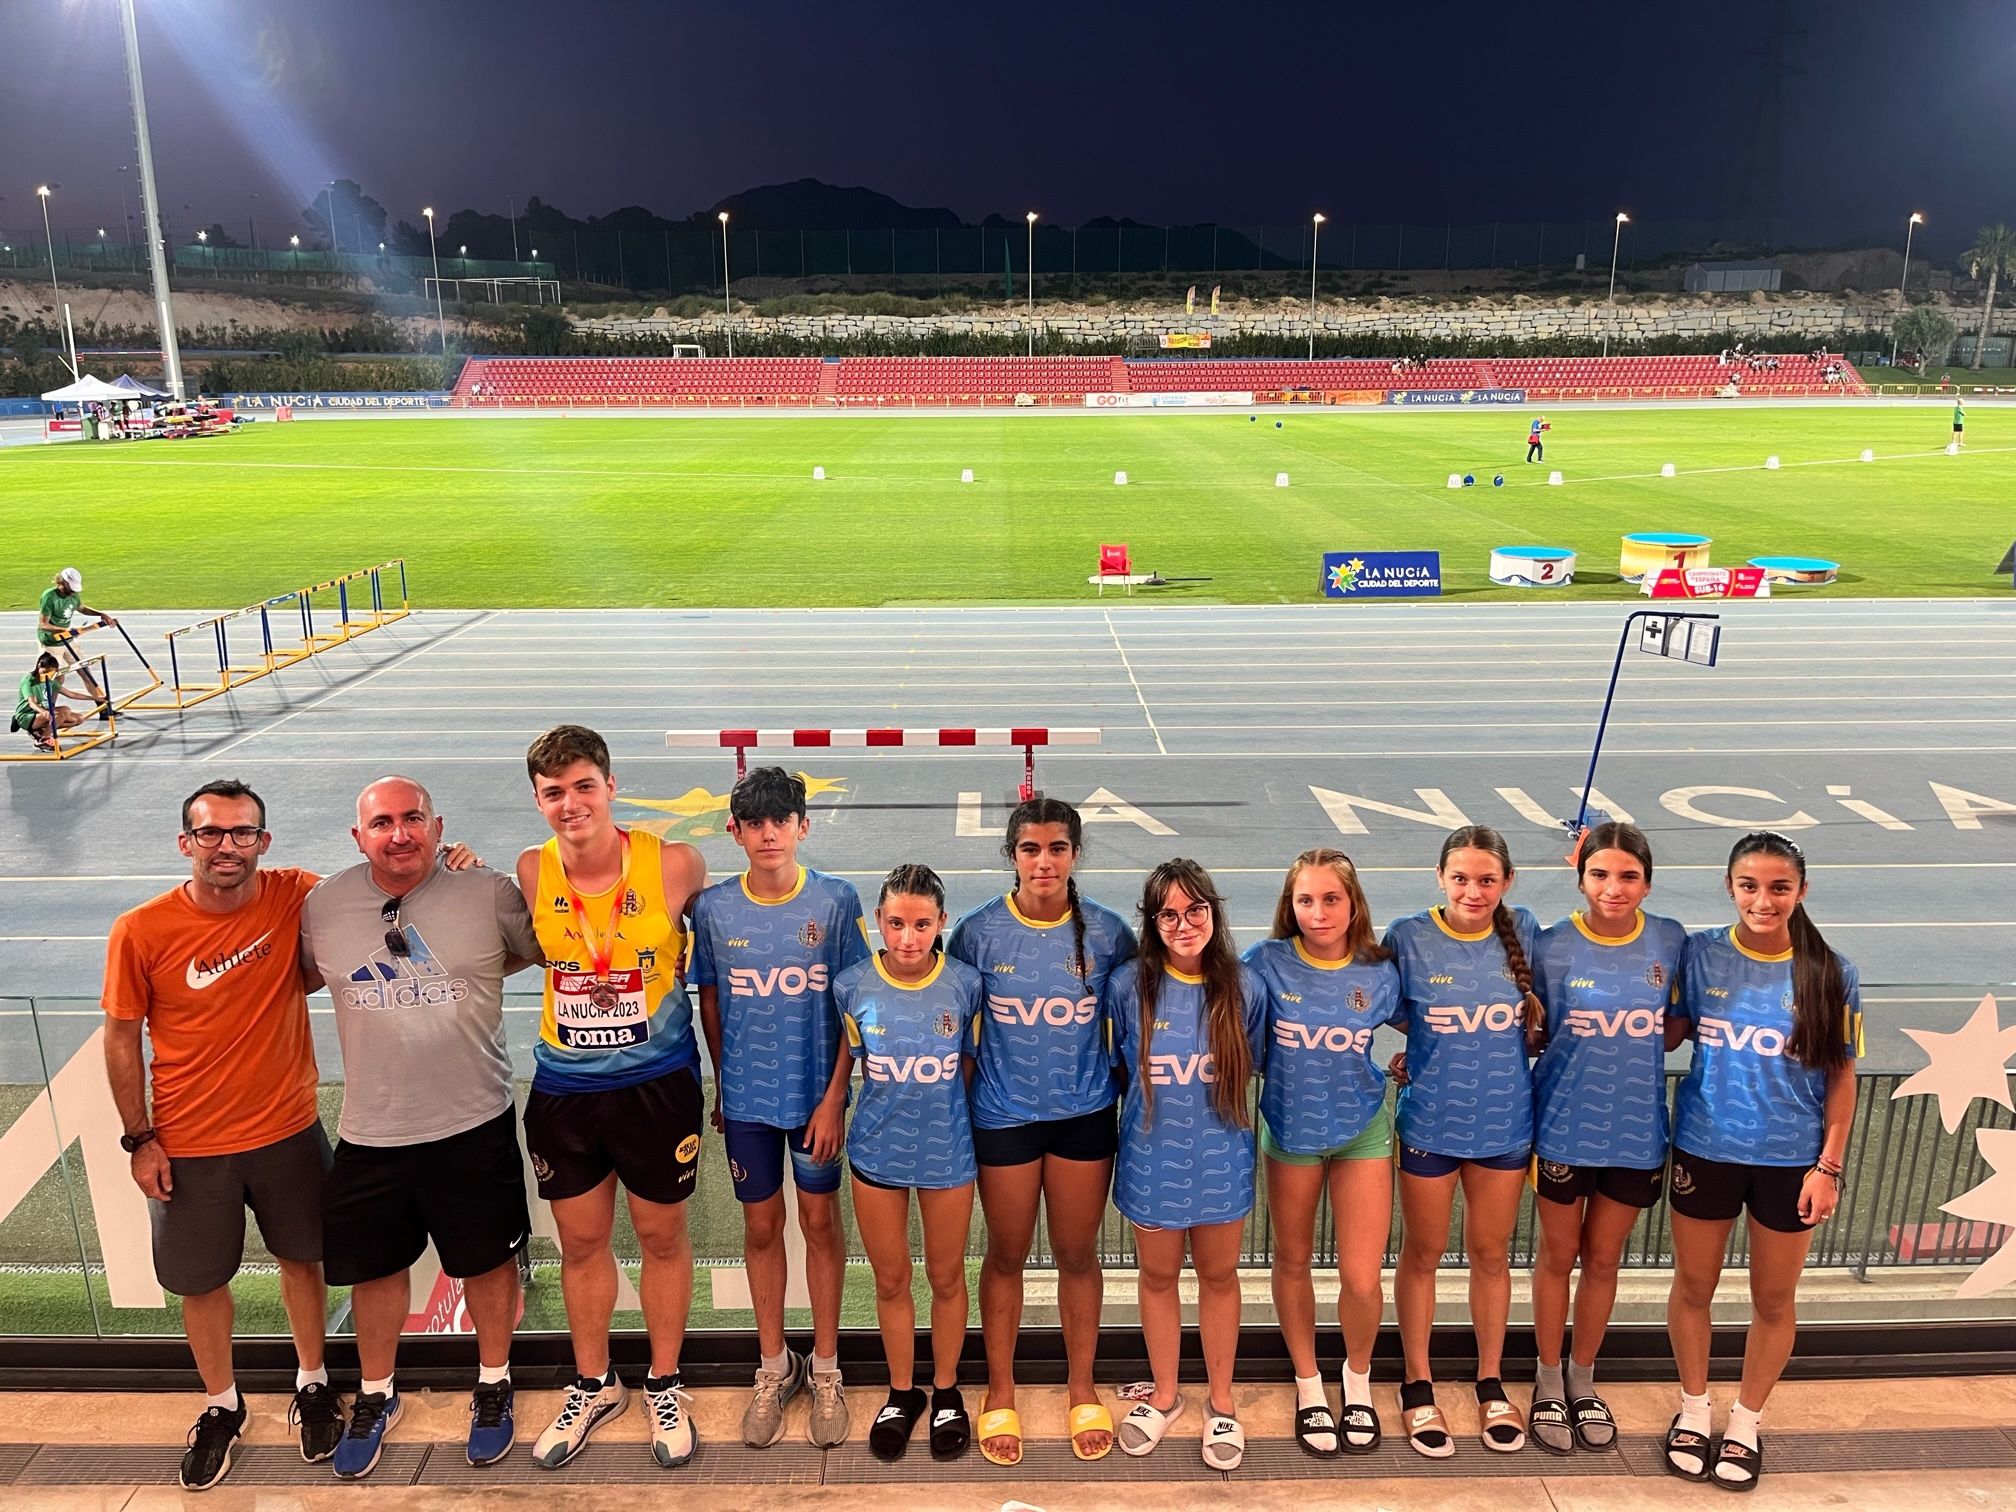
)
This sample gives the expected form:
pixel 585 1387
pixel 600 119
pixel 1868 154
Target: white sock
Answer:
pixel 375 1388
pixel 227 1398
pixel 778 1363
pixel 1743 1425
pixel 1697 1416
pixel 826 1362
pixel 1309 1392
pixel 1357 1387
pixel 319 1376
pixel 490 1375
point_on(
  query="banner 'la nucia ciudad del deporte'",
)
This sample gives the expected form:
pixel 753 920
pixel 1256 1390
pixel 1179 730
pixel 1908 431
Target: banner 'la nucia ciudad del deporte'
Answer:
pixel 1382 574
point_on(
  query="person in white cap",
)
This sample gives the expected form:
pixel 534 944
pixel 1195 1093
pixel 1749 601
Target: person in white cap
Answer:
pixel 62 601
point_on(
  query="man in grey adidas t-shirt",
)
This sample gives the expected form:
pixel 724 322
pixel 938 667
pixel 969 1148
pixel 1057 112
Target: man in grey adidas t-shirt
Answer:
pixel 415 958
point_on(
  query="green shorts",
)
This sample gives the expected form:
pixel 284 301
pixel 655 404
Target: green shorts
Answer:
pixel 1373 1142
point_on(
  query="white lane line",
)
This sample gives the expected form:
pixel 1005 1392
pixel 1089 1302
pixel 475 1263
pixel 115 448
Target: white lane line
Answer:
pixel 711 684
pixel 791 712
pixel 1141 697
pixel 654 755
pixel 398 661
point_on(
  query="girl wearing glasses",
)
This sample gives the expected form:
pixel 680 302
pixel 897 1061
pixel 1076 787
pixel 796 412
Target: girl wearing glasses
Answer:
pixel 1186 1025
pixel 1324 1127
pixel 1465 1116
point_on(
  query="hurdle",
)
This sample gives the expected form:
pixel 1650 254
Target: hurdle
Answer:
pixel 65 646
pixel 1028 737
pixel 76 745
pixel 274 651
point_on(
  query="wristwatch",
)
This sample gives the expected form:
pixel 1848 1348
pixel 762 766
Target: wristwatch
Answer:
pixel 131 1143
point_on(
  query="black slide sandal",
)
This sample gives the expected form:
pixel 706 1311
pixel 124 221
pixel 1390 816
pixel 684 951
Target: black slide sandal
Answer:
pixel 1731 1453
pixel 1592 1417
pixel 889 1436
pixel 951 1429
pixel 1310 1421
pixel 1685 1441
pixel 1549 1426
pixel 1358 1418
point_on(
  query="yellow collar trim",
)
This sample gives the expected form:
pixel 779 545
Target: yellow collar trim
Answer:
pixel 1307 959
pixel 1184 976
pixel 762 902
pixel 1581 922
pixel 1448 929
pixel 1024 919
pixel 1755 955
pixel 919 985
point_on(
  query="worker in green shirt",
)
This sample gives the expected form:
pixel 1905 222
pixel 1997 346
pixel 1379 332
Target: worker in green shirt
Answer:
pixel 36 709
pixel 62 601
pixel 1959 422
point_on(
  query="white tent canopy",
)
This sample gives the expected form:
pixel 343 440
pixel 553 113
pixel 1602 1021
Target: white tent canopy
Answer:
pixel 88 388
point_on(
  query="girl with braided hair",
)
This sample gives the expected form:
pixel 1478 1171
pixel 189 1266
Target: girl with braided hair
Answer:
pixel 1043 1109
pixel 1465 1116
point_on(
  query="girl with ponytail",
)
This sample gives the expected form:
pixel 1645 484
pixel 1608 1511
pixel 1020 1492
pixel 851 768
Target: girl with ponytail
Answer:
pixel 1186 1022
pixel 1760 1123
pixel 1465 1117
pixel 1043 1109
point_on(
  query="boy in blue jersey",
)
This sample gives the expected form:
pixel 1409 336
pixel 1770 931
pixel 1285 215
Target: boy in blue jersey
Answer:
pixel 766 947
pixel 1761 1122
pixel 912 1017
pixel 1607 974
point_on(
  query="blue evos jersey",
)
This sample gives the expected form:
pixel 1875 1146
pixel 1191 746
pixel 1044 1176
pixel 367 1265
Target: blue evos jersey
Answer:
pixel 1322 1086
pixel 911 1125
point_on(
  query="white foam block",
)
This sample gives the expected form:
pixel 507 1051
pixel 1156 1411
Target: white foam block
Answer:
pixel 1455 480
pixel 1952 448
pixel 1868 456
pixel 1280 480
pixel 966 476
pixel 1668 470
pixel 1120 478
pixel 1554 479
pixel 819 474
pixel 1770 464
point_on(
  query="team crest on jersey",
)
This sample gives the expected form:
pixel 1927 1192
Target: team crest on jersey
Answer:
pixel 632 904
pixel 1505 971
pixel 1786 1001
pixel 810 934
pixel 947 1027
pixel 1359 1000
pixel 539 1166
pixel 1076 965
pixel 1655 974
pixel 647 958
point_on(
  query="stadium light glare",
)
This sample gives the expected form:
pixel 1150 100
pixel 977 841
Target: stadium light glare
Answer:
pixel 1315 232
pixel 1904 280
pixel 727 307
pixel 434 254
pixel 1615 241
pixel 293 241
pixel 1030 217
pixel 203 236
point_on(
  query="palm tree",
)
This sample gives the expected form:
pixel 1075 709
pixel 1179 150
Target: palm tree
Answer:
pixel 1994 249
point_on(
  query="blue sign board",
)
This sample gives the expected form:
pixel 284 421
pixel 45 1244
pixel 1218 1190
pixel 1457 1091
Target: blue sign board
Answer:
pixel 1382 574
pixel 1456 396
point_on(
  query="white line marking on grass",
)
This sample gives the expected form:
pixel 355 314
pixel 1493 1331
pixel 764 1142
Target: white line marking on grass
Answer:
pixel 1695 472
pixel 1138 694
pixel 400 660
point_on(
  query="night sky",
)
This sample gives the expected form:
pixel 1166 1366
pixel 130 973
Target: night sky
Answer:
pixel 1175 111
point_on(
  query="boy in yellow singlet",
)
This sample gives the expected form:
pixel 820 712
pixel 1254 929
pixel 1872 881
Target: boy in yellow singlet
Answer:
pixel 616 1087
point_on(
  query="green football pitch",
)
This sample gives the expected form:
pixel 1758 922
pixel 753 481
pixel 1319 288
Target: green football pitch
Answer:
pixel 546 512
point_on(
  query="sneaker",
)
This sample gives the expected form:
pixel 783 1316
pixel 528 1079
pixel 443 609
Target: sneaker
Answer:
pixel 587 1403
pixel 763 1422
pixel 212 1442
pixel 318 1412
pixel 371 1419
pixel 827 1426
pixel 492 1427
pixel 673 1435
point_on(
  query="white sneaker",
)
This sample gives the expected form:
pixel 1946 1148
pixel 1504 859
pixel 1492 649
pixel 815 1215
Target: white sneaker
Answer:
pixel 673 1436
pixel 763 1419
pixel 587 1403
pixel 827 1426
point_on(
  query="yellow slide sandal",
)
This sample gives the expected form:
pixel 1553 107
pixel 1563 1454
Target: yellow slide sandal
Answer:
pixel 1002 1422
pixel 1091 1417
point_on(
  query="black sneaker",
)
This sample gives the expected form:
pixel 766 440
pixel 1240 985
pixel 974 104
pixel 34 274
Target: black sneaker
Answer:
pixel 212 1442
pixel 319 1413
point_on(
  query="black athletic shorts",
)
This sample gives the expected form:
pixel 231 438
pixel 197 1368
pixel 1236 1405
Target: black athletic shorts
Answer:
pixel 1567 1183
pixel 649 1135
pixel 1718 1189
pixel 199 1232
pixel 1089 1136
pixel 466 1192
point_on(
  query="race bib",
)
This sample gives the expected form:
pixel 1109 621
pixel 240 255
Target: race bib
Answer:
pixel 592 1015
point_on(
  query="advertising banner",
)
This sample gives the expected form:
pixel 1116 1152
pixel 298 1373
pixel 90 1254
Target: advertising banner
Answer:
pixel 334 403
pixel 1439 397
pixel 1382 574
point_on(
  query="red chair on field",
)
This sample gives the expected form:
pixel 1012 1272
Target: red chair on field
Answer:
pixel 1115 563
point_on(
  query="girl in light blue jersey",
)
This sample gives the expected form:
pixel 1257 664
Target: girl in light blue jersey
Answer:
pixel 1608 974
pixel 1324 1127
pixel 1043 1110
pixel 1761 1122
pixel 1186 1024
pixel 911 1016
pixel 1465 1115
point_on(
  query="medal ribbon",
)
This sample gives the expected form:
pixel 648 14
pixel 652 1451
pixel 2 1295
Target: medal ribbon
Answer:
pixel 600 950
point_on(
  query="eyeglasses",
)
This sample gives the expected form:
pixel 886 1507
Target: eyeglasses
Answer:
pixel 209 837
pixel 1196 913
pixel 395 937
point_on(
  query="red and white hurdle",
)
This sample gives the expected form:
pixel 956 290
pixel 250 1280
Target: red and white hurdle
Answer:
pixel 1028 737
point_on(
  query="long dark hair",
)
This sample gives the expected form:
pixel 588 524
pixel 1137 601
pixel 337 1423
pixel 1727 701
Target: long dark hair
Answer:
pixel 1482 837
pixel 1360 943
pixel 1615 834
pixel 1819 986
pixel 1044 810
pixel 1224 992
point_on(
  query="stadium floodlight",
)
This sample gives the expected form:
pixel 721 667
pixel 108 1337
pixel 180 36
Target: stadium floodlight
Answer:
pixel 1903 283
pixel 381 249
pixel 101 233
pixel 1615 242
pixel 1315 231
pixel 154 221
pixel 1031 219
pixel 434 252
pixel 43 191
pixel 203 236
pixel 463 251
pixel 727 309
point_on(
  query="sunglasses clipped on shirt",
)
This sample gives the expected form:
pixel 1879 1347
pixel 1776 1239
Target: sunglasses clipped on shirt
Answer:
pixel 395 937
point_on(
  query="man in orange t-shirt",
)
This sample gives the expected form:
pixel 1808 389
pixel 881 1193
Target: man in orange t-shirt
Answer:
pixel 212 969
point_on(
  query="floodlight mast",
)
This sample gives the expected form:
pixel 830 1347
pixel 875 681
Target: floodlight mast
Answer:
pixel 150 206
